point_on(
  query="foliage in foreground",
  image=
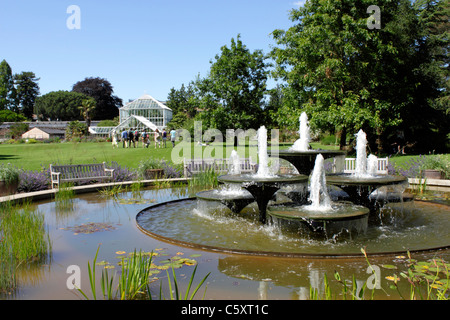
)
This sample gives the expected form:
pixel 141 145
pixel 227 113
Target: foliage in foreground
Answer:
pixel 427 280
pixel 134 280
pixel 23 239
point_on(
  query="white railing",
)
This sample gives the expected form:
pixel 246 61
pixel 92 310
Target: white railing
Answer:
pixel 382 165
pixel 193 166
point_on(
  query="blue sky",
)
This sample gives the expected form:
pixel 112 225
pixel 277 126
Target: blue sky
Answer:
pixel 141 47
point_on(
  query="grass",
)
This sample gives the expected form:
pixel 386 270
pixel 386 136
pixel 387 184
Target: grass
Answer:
pixel 36 156
pixel 23 239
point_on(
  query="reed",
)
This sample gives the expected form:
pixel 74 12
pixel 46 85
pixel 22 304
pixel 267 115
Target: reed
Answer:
pixel 112 192
pixel 178 294
pixel 204 180
pixel 134 280
pixel 23 238
pixel 64 197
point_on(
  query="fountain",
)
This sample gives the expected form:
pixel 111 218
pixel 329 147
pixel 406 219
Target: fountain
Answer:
pixel 364 181
pixel 264 184
pixel 300 155
pixel 302 144
pixel 315 217
pixel 231 195
pixel 321 218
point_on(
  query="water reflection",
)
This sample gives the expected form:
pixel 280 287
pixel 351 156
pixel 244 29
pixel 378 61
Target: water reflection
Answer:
pixel 257 277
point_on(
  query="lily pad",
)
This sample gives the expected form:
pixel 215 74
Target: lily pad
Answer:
pixel 91 227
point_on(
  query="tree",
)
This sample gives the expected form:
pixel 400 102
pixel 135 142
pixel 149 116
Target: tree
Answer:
pixel 86 108
pixel 60 105
pixel 233 92
pixel 107 104
pixel 75 129
pixel 344 74
pixel 434 41
pixel 27 91
pixel 183 100
pixel 11 116
pixel 7 89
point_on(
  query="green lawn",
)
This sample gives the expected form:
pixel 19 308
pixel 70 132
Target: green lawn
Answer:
pixel 34 156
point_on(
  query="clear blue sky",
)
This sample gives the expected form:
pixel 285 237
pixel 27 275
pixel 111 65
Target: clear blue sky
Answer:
pixel 140 46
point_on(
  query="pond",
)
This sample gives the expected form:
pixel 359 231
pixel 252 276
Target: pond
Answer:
pixel 109 224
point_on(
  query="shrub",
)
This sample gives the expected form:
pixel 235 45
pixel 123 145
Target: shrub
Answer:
pixel 170 170
pixel 9 174
pixel 30 181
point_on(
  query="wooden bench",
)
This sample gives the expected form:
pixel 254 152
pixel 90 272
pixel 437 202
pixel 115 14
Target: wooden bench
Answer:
pixel 382 165
pixel 193 166
pixel 79 172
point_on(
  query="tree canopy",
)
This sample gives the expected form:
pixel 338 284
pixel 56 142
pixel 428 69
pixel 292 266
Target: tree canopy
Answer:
pixel 60 105
pixel 7 89
pixel 27 91
pixel 347 76
pixel 233 92
pixel 107 104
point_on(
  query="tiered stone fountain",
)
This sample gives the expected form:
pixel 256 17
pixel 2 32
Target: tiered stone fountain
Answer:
pixel 318 214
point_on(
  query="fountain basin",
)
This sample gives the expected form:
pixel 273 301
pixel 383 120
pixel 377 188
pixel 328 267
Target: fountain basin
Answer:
pixel 263 188
pixel 343 221
pixel 234 201
pixel 304 161
pixel 413 226
pixel 360 188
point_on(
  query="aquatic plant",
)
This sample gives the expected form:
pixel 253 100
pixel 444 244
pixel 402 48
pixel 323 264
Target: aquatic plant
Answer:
pixel 23 238
pixel 64 196
pixel 134 279
pixel 428 280
pixel 204 180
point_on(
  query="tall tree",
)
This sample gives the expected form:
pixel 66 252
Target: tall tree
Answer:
pixel 27 92
pixel 86 108
pixel 434 20
pixel 7 89
pixel 233 92
pixel 107 104
pixel 183 100
pixel 60 105
pixel 345 74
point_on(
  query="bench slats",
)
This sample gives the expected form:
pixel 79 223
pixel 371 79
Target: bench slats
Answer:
pixel 79 172
pixel 193 166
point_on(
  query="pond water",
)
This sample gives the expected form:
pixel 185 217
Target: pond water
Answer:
pixel 95 221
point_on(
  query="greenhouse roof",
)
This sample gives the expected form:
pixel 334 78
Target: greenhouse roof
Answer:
pixel 145 102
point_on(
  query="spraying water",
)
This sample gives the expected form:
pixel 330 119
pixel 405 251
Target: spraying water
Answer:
pixel 372 165
pixel 365 166
pixel 302 144
pixel 319 197
pixel 235 167
pixel 263 169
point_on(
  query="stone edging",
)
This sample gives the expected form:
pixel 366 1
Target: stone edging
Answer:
pixel 432 184
pixel 48 194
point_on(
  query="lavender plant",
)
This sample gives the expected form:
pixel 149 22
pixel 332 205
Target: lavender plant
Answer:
pixel 30 180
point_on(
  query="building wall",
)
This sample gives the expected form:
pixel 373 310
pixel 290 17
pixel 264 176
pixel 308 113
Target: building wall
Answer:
pixel 35 133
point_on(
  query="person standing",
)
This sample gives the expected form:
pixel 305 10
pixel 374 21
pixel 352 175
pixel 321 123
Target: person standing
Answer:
pixel 164 138
pixel 130 138
pixel 157 138
pixel 125 138
pixel 173 135
pixel 136 137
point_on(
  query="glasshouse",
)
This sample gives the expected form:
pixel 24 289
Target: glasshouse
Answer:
pixel 145 113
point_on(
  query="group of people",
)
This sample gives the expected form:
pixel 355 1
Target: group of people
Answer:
pixel 134 136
